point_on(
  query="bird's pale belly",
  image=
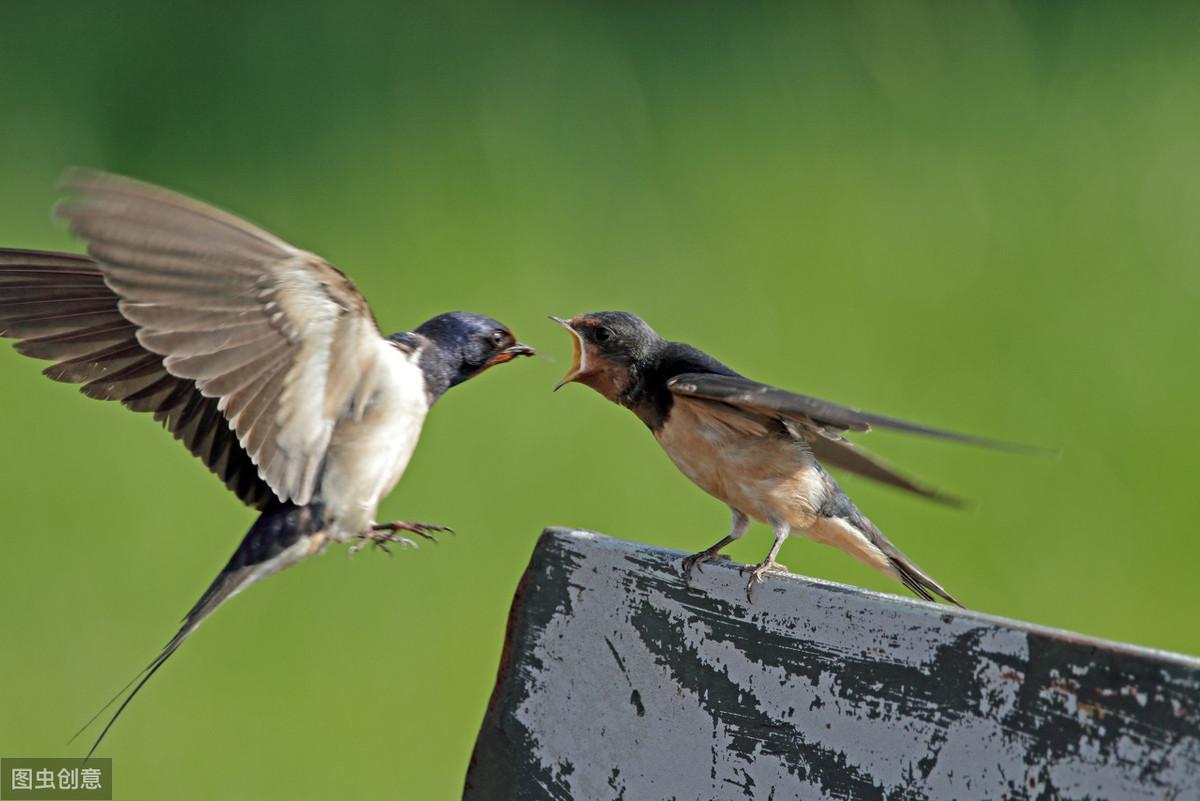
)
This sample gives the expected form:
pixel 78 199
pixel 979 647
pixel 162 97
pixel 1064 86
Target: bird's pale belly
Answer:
pixel 369 455
pixel 769 477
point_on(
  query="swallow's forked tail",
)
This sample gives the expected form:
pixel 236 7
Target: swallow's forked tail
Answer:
pixel 283 535
pixel 841 524
pixel 916 579
pixel 886 557
pixel 854 533
pixel 896 563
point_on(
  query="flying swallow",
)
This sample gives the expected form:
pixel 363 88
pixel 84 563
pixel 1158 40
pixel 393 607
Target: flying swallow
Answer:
pixel 755 447
pixel 263 359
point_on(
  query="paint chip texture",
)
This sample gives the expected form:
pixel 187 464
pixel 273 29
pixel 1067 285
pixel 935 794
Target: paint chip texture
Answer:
pixel 619 681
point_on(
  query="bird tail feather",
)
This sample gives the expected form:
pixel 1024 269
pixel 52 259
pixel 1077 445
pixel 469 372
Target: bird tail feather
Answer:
pixel 283 535
pixel 916 579
pixel 871 546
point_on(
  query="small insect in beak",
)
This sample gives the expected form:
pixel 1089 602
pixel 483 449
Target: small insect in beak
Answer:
pixel 510 353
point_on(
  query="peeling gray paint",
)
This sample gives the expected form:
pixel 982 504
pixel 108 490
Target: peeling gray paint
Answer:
pixel 619 681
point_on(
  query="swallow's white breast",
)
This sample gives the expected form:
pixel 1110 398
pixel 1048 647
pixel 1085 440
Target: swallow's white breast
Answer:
pixel 372 444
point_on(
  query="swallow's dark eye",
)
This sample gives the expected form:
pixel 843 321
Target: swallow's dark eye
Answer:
pixel 498 338
pixel 602 334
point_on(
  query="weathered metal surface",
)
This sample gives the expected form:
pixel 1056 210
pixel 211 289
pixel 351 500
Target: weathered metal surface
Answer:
pixel 620 682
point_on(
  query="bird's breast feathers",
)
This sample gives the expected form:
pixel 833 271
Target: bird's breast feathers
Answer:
pixel 370 449
pixel 742 460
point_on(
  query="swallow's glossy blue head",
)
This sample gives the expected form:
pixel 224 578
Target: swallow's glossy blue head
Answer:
pixel 462 345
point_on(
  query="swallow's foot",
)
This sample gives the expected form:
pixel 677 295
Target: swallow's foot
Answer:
pixel 381 534
pixel 420 529
pixel 693 563
pixel 757 572
pixel 380 540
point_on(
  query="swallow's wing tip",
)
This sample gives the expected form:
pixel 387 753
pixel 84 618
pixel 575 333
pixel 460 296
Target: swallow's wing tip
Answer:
pixel 70 176
pixel 75 183
pixel 1024 449
pixel 951 501
pixel 74 178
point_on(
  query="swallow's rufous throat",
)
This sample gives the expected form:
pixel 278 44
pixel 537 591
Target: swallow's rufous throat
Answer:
pixel 263 359
pixel 755 447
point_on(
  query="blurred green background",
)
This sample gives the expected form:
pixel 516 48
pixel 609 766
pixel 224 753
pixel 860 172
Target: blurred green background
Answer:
pixel 976 215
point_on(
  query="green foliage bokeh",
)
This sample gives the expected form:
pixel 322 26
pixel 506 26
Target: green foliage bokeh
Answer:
pixel 976 215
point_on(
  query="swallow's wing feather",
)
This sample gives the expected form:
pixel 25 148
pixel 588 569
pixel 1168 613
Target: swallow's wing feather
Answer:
pixel 280 338
pixel 743 392
pixel 840 452
pixel 60 309
pixel 822 423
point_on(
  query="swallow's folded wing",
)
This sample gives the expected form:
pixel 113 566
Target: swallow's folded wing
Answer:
pixel 739 391
pixel 278 337
pixel 60 309
pixel 833 449
pixel 822 423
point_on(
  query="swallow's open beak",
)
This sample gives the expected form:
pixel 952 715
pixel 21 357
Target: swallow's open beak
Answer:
pixel 578 360
pixel 510 353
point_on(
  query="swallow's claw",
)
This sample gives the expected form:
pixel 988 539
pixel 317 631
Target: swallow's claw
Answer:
pixel 757 572
pixel 424 530
pixel 693 564
pixel 381 534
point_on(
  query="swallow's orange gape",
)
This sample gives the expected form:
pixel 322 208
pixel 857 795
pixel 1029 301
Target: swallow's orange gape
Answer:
pixel 755 447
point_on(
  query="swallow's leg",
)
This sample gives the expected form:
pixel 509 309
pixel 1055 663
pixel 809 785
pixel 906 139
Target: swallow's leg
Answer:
pixel 381 534
pixel 768 565
pixel 737 528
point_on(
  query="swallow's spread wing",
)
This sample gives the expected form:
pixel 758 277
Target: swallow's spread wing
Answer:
pixel 280 340
pixel 279 336
pixel 58 305
pixel 822 423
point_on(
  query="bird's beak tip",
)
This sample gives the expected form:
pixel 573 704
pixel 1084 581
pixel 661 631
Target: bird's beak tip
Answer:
pixel 510 353
pixel 577 369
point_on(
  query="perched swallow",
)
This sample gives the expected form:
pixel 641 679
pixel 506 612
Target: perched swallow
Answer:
pixel 263 359
pixel 755 447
